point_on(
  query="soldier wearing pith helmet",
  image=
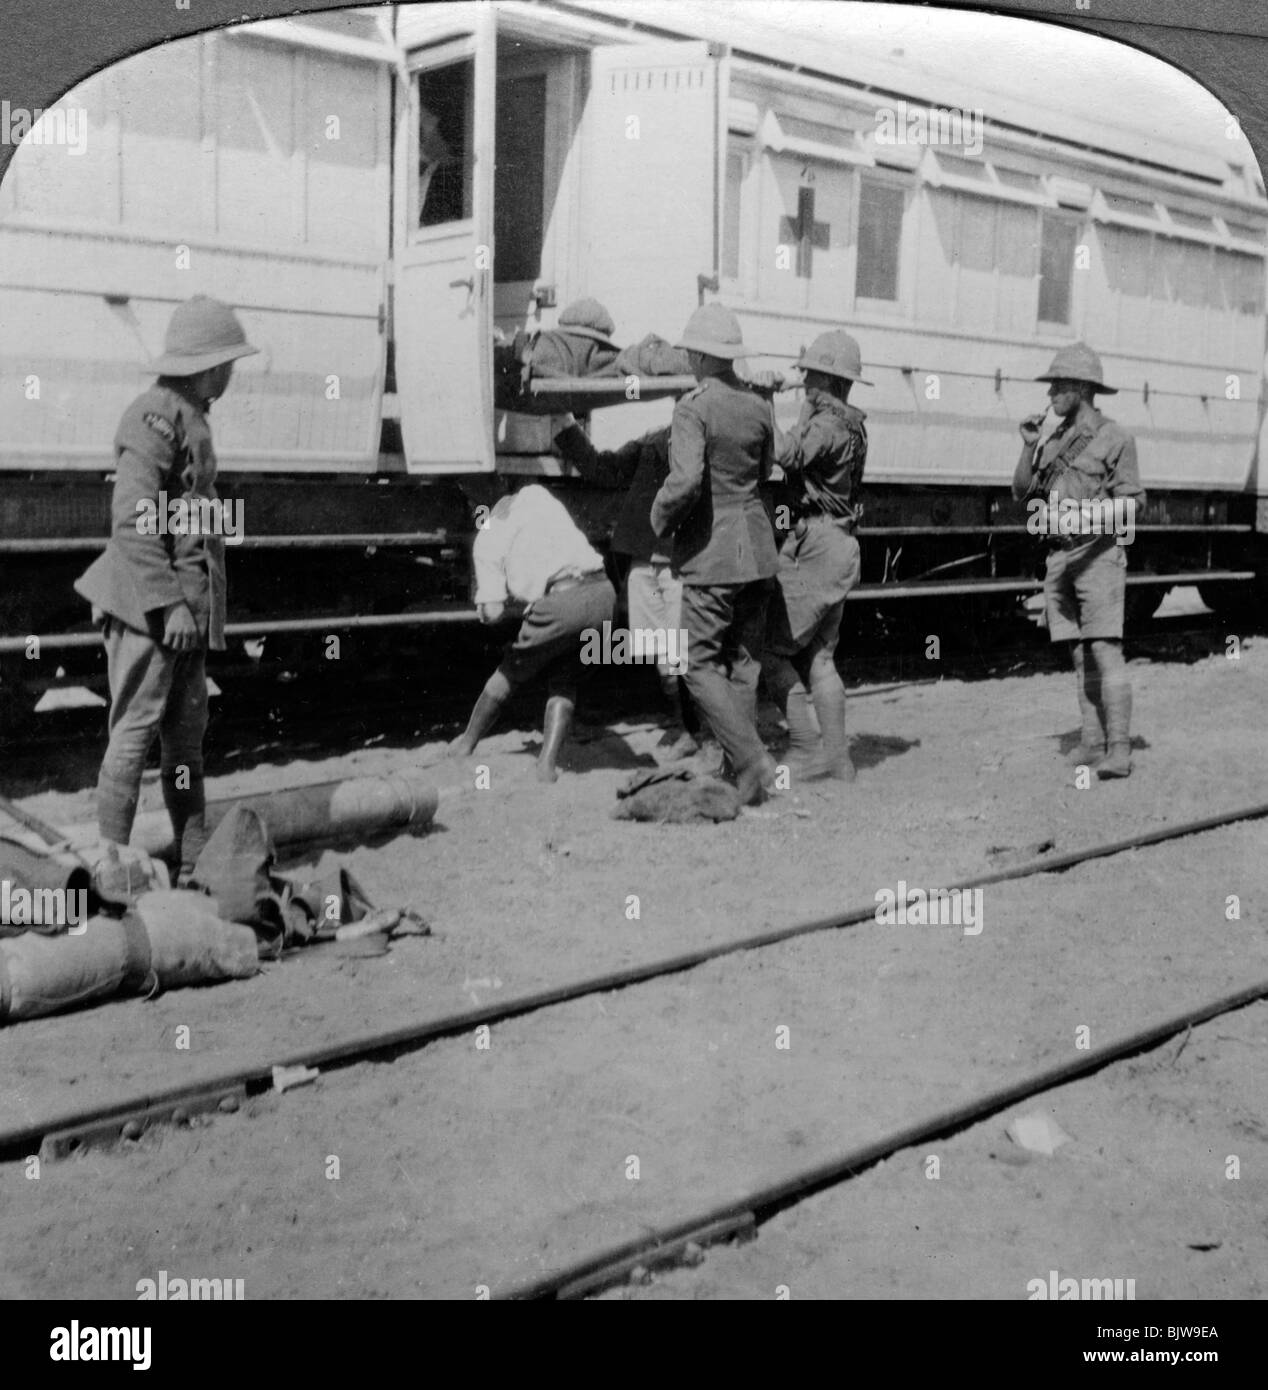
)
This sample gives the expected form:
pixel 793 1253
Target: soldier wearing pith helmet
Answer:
pixel 1086 458
pixel 823 458
pixel 160 597
pixel 720 453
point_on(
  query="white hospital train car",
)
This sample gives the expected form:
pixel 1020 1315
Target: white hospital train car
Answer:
pixel 379 190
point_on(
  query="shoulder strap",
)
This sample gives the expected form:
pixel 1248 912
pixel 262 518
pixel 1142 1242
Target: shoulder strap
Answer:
pixel 1072 446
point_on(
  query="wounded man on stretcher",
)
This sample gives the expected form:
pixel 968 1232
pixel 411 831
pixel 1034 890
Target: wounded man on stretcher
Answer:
pixel 578 348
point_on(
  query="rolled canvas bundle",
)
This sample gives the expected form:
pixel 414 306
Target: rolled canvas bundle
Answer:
pixel 172 938
pixel 33 876
pixel 355 809
pixel 46 974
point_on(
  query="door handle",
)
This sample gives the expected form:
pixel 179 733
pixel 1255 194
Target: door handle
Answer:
pixel 458 284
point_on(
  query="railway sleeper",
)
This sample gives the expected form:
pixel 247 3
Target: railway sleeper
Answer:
pixel 130 1125
pixel 684 1249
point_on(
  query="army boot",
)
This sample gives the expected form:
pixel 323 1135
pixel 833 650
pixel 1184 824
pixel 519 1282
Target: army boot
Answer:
pixel 1118 718
pixel 187 810
pixel 1090 748
pixel 828 695
pixel 554 731
pixel 793 699
pixel 677 738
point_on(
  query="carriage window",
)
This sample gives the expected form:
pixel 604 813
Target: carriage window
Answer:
pixel 1056 269
pixel 1240 282
pixel 880 239
pixel 445 147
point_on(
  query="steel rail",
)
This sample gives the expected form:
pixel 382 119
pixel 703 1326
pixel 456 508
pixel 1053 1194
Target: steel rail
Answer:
pixel 352 540
pixel 742 1215
pixel 381 540
pixel 60 641
pixel 17 1142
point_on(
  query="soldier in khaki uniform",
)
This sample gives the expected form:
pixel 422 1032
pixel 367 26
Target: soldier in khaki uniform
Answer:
pixel 823 458
pixel 160 598
pixel 720 452
pixel 1086 458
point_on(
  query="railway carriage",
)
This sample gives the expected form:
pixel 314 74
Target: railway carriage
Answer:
pixel 380 192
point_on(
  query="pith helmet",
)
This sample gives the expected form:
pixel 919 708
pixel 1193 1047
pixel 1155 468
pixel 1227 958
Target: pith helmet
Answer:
pixel 1077 362
pixel 202 333
pixel 589 318
pixel 836 354
pixel 713 329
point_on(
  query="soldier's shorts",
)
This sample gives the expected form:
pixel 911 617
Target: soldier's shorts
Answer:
pixel 817 569
pixel 1084 591
pixel 550 634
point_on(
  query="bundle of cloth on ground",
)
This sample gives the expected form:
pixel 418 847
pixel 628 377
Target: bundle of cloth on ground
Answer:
pixel 119 927
pixel 676 795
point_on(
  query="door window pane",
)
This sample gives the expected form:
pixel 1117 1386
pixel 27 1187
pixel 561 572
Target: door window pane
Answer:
pixel 445 153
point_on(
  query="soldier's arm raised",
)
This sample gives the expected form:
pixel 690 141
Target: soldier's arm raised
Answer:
pixel 613 468
pixel 1024 473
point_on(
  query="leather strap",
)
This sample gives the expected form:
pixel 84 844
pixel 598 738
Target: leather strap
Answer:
pixel 138 966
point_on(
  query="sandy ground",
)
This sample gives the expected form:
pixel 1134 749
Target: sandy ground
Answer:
pixel 461 1166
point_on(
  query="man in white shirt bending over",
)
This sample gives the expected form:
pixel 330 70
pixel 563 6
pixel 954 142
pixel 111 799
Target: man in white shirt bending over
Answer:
pixel 530 554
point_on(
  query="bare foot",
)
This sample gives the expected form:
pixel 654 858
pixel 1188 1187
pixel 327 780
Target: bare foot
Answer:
pixel 461 747
pixel 546 772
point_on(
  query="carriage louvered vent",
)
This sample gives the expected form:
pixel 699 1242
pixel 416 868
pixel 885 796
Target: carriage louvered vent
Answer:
pixel 1198 221
pixel 675 79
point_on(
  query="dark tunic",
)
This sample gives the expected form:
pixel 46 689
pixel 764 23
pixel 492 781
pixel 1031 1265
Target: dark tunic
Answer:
pixel 642 466
pixel 163 445
pixel 823 457
pixel 720 451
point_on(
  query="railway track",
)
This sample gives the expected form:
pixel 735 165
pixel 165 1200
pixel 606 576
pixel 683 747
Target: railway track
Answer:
pixel 65 1133
pixel 738 1219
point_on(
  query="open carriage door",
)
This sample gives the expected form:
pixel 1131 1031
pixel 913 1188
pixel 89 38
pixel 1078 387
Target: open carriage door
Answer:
pixel 444 234
pixel 652 176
